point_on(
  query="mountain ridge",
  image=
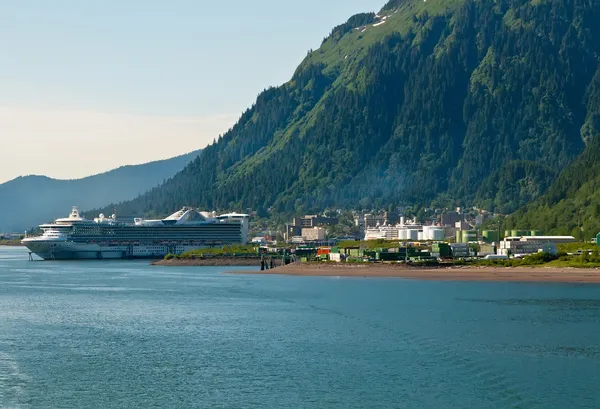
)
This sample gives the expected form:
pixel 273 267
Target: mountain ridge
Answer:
pixel 428 103
pixel 36 199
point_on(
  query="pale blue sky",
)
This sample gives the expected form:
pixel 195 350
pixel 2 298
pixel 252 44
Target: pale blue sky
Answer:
pixel 113 74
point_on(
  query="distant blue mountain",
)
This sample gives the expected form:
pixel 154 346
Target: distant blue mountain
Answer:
pixel 27 201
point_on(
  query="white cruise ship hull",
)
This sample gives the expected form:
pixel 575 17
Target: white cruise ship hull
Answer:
pixel 76 238
pixel 68 250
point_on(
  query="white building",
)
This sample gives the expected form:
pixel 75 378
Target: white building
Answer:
pixel 407 232
pixel 313 234
pixel 530 244
pixel 382 233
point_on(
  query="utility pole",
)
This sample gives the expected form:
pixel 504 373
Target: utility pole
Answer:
pixel 580 225
pixel 498 244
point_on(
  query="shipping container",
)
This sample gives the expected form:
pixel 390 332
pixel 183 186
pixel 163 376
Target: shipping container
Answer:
pixel 356 252
pixel 337 257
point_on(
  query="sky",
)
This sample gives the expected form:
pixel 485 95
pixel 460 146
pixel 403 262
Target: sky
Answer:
pixel 87 86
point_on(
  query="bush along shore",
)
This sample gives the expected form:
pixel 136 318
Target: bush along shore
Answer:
pixel 265 263
pixel 209 261
pixel 237 255
pixel 579 267
pixel 10 243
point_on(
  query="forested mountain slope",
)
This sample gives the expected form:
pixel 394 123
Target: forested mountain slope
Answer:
pixel 31 200
pixel 572 203
pixel 450 102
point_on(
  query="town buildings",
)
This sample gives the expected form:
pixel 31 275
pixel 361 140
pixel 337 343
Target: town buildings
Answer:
pixel 308 228
pixel 313 234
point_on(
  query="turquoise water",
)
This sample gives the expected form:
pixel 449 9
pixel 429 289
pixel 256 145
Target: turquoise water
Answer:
pixel 123 334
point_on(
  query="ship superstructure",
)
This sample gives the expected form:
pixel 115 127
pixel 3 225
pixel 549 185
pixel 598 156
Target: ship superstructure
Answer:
pixel 75 237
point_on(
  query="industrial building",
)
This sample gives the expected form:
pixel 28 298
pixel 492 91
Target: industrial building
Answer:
pixel 406 233
pixel 371 221
pixel 516 245
pixel 292 231
pixel 382 233
pixel 451 218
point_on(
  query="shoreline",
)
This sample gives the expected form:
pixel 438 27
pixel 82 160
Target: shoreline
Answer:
pixel 209 261
pixel 499 274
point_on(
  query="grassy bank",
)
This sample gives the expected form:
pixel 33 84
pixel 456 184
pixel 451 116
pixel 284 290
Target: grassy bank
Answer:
pixel 574 247
pixel 242 251
pixel 587 259
pixel 10 243
pixel 215 261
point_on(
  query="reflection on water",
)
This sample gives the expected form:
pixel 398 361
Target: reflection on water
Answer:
pixel 124 334
pixel 562 303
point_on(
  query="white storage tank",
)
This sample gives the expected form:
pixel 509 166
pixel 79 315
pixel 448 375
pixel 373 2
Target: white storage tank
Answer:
pixel 438 234
pixel 403 234
pixel 413 234
pixel 427 232
pixel 420 236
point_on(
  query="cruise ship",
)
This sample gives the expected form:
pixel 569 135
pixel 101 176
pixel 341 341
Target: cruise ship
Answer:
pixel 75 237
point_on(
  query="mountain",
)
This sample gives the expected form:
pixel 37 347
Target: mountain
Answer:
pixel 433 102
pixel 31 200
pixel 572 203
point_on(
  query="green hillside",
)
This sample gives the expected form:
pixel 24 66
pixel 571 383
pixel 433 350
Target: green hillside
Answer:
pixel 444 102
pixel 572 203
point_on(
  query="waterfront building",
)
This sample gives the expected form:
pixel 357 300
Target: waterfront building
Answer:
pixel 515 245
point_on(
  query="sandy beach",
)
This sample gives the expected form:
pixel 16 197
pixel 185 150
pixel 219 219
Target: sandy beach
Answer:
pixel 517 274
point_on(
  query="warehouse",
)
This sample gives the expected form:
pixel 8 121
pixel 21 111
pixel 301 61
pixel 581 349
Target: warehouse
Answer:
pixel 530 244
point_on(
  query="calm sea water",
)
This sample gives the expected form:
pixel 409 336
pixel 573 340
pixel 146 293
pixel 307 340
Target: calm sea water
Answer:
pixel 123 334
